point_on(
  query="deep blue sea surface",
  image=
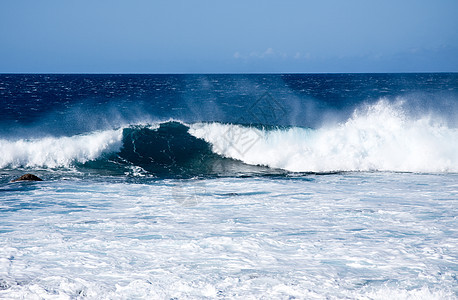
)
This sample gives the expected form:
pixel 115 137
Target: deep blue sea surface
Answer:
pixel 293 186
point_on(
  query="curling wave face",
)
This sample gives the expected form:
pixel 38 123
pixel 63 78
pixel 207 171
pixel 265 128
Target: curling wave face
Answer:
pixel 164 150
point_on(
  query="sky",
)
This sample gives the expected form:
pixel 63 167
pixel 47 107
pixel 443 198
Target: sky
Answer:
pixel 212 36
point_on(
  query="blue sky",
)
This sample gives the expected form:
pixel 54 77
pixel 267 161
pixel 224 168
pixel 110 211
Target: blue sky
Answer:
pixel 155 36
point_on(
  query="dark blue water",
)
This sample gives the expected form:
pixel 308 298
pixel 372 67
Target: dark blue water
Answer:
pixel 66 103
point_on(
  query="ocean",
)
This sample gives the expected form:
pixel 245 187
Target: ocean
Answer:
pixel 255 186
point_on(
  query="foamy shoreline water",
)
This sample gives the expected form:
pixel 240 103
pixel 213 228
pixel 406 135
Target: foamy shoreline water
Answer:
pixel 312 237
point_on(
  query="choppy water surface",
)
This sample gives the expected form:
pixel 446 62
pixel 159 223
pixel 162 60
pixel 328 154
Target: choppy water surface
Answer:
pixel 367 235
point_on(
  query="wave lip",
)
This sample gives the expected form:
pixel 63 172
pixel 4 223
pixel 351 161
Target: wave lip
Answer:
pixel 53 152
pixel 379 137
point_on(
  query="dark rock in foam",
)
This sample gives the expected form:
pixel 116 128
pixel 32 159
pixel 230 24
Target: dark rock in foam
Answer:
pixel 28 177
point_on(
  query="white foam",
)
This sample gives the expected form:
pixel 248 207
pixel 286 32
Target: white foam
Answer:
pixel 358 236
pixel 58 151
pixel 378 137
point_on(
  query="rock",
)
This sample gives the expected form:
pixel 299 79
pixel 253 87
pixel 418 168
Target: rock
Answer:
pixel 28 177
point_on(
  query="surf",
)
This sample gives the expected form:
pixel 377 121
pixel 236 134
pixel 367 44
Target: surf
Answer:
pixel 377 137
pixel 161 150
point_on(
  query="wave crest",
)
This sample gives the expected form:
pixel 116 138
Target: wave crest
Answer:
pixel 379 137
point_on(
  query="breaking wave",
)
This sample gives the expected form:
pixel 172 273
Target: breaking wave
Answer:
pixel 54 152
pixel 379 137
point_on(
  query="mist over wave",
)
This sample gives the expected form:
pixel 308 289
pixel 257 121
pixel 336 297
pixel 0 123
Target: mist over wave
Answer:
pixel 378 137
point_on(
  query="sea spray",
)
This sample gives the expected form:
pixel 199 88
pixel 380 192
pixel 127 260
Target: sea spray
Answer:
pixel 379 137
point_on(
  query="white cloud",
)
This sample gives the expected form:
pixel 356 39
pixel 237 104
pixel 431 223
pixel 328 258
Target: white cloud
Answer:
pixel 305 56
pixel 271 53
pixel 268 52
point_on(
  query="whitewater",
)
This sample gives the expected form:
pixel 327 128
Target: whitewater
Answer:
pixel 379 137
pixel 325 186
